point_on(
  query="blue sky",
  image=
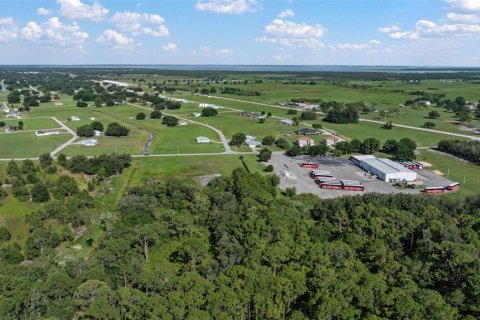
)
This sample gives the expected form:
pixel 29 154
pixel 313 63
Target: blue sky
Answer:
pixel 356 32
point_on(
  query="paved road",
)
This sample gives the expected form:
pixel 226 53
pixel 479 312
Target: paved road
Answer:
pixel 69 142
pixel 366 120
pixel 2 85
pixel 224 140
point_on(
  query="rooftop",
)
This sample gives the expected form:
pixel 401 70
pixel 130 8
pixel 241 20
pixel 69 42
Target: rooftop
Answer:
pixel 386 165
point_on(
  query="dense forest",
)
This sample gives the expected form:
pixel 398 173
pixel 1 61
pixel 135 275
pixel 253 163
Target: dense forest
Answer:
pixel 239 249
pixel 469 150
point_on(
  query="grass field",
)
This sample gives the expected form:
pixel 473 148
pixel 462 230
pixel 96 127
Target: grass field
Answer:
pixel 26 144
pixel 33 124
pixel 466 173
pixel 12 216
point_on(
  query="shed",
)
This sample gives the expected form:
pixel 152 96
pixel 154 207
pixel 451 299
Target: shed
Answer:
pixel 287 122
pixel 203 140
pixel 88 142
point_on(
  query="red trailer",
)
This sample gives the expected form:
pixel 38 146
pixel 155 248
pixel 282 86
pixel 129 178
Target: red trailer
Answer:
pixel 434 190
pixel 310 165
pixel 331 186
pixel 351 185
pixel 316 174
pixel 454 186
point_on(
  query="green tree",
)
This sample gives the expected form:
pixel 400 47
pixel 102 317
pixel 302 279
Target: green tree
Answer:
pixel 156 114
pixel 85 131
pixel 96 125
pixel 5 235
pixel 39 193
pixel 265 155
pixel 268 140
pixel 282 143
pixel 434 114
pixel 238 139
pixel 140 116
pixel 170 121
pixel 209 112
pixel 45 160
pixel 370 146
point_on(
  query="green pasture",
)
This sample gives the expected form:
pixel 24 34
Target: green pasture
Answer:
pixel 33 124
pixel 26 144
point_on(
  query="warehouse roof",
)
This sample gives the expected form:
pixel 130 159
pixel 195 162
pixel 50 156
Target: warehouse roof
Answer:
pixel 385 165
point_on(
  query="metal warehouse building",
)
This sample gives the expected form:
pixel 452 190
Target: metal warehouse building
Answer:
pixel 385 169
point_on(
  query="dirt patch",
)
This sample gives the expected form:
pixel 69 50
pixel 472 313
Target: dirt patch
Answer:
pixel 438 172
pixel 204 180
pixel 425 164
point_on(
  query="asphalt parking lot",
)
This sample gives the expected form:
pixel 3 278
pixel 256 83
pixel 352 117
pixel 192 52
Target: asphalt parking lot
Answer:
pixel 341 169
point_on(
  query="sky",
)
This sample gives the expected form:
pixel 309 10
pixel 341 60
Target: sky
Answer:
pixel 247 32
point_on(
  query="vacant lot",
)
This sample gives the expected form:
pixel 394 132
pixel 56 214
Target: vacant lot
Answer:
pixel 26 144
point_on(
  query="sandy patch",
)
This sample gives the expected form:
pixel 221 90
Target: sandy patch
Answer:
pixel 438 172
pixel 425 164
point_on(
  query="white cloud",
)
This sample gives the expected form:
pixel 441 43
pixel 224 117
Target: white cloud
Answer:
pixel 115 40
pixel 170 47
pixel 6 21
pixel 54 33
pixel 355 46
pixel 141 23
pixel 465 18
pixel 389 29
pixel 7 35
pixel 279 57
pixel 291 34
pixel 465 5
pixel 44 12
pixel 425 29
pixel 75 9
pixel 211 51
pixel 228 6
pixel 286 13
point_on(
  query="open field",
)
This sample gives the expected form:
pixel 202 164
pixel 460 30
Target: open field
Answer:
pixel 33 124
pixel 26 144
pixel 457 170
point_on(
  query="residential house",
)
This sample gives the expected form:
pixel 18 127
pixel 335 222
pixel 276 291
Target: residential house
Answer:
pixel 41 133
pixel 287 122
pixel 74 119
pixel 255 115
pixel 196 114
pixel 305 141
pixel 203 140
pixel 182 123
pixel 88 142
pixel 331 141
pixel 208 105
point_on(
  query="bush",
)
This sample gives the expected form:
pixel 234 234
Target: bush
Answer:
pixel 116 130
pixel 238 139
pixel 282 143
pixel 433 114
pixel 209 112
pixel 317 126
pixel 429 125
pixel 268 140
pixel 39 193
pixel 269 168
pixel 264 155
pixel 5 235
pixel 155 114
pixel 170 121
pixel 97 126
pixel 85 131
pixel 140 116
pixel 52 170
pixel 82 104
pixel 2 124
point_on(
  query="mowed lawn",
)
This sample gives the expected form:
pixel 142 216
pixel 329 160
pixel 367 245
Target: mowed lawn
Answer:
pixel 33 124
pixel 364 130
pixel 467 174
pixel 187 167
pixel 27 144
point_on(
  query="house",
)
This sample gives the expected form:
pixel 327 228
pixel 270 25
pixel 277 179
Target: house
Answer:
pixel 253 144
pixel 41 133
pixel 250 138
pixel 331 141
pixel 203 140
pixel 196 114
pixel 255 115
pixel 74 118
pixel 305 141
pixel 208 105
pixel 307 132
pixel 58 103
pixel 13 114
pixel 97 133
pixel 88 142
pixel 287 122
pixel 182 122
pixel 8 129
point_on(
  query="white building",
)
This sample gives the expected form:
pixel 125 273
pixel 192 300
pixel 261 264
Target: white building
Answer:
pixel 385 169
pixel 203 140
pixel 74 118
pixel 250 138
pixel 88 142
pixel 331 141
pixel 305 141
pixel 196 114
pixel 182 123
pixel 208 105
pixel 41 133
pixel 287 122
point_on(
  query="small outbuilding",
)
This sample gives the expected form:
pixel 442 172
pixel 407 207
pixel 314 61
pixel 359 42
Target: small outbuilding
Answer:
pixel 287 122
pixel 331 141
pixel 203 140
pixel 305 141
pixel 88 142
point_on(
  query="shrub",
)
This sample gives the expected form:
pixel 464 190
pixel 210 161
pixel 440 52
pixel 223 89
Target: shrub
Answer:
pixel 140 116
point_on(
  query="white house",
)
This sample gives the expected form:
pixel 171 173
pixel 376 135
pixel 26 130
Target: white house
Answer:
pixel 305 141
pixel 208 105
pixel 203 140
pixel 331 141
pixel 88 142
pixel 41 133
pixel 97 133
pixel 250 138
pixel 253 144
pixel 182 123
pixel 74 118
pixel 196 114
pixel 287 122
